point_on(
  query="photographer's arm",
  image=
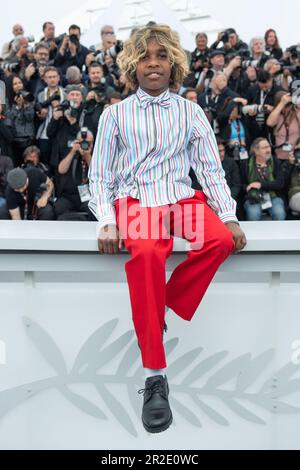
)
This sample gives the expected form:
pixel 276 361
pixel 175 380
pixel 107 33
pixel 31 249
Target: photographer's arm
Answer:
pixel 274 116
pixel 15 214
pixel 54 124
pixel 43 201
pixel 65 164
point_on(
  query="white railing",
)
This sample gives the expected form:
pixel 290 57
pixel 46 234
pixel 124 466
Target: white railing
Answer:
pixel 58 293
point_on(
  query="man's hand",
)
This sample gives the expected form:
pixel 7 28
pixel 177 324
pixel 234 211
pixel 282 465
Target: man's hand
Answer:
pixel 42 114
pixel 29 71
pixel 42 202
pixel 254 186
pixel 238 236
pixel 241 100
pixel 19 100
pixel 109 240
pixel 57 114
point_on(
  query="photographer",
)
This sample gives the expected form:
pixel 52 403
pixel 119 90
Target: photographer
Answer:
pixel 291 62
pixel 35 72
pixel 241 76
pixel 232 128
pixel 261 100
pixel 216 64
pixel 49 39
pixel 49 98
pixel 280 74
pixel 32 158
pixel 27 195
pixel 21 114
pixel 199 60
pixel 263 183
pixel 212 101
pixel 18 60
pixel 17 30
pixel 97 80
pixel 72 177
pixel 272 44
pixel 231 42
pixel 67 120
pixel 73 77
pixel 70 51
pixel 285 119
pixel 294 179
pixel 231 168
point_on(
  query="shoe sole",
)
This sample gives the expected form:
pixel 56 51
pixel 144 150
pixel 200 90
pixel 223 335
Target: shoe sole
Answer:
pixel 160 429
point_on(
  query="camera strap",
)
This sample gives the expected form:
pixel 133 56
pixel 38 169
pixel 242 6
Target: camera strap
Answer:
pixel 25 197
pixel 83 188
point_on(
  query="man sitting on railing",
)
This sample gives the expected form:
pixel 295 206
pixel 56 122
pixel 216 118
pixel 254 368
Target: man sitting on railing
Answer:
pixel 139 177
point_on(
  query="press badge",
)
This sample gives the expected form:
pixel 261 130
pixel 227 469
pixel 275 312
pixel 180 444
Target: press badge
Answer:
pixel 243 154
pixel 266 202
pixel 84 193
pixel 287 147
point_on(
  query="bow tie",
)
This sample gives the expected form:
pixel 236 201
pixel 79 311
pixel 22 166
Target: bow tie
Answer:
pixel 146 100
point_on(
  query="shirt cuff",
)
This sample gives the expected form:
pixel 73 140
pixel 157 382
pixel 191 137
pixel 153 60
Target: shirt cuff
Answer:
pixel 229 217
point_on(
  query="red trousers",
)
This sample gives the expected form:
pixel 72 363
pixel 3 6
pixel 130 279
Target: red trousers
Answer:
pixel 146 270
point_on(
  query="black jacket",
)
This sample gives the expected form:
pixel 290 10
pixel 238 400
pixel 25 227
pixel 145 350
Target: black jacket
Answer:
pixel 6 136
pixel 63 62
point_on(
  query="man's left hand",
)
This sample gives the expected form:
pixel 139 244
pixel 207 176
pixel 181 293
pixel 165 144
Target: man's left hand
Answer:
pixel 42 202
pixel 238 236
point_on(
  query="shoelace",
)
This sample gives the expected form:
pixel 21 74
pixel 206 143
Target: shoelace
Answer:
pixel 157 387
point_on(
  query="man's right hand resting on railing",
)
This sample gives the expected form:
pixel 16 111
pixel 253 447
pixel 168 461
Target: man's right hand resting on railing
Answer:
pixel 109 240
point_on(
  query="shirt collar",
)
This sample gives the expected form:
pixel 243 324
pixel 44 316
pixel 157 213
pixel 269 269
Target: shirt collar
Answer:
pixel 145 100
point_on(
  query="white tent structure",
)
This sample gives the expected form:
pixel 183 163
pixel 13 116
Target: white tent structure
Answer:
pixel 183 15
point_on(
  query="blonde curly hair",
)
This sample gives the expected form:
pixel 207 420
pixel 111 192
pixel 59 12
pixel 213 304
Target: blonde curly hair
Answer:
pixel 136 47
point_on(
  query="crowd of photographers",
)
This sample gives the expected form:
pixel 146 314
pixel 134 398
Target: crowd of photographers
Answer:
pixel 55 91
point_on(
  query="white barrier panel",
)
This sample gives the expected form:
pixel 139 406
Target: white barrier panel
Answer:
pixel 72 366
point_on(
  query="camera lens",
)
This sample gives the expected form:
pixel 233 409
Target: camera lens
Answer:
pixel 84 145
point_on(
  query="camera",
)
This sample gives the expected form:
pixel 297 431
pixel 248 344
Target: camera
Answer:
pixel 294 51
pixel 254 107
pixel 25 95
pixel 40 191
pixel 84 145
pixel 70 107
pixel 74 40
pixel 225 36
pixel 112 52
pixel 255 196
pixel 210 74
pixel 297 156
pixel 12 67
pixel 47 103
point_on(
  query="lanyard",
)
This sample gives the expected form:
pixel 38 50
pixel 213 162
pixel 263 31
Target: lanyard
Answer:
pixel 25 197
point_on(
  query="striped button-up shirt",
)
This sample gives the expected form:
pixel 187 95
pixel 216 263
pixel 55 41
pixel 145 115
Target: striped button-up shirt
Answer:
pixel 145 148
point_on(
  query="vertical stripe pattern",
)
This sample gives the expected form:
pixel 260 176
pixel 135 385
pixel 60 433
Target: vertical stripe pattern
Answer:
pixel 145 147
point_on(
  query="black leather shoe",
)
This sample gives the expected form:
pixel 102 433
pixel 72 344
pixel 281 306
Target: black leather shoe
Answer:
pixel 164 331
pixel 157 414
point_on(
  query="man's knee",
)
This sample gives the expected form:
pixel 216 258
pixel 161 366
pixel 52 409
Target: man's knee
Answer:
pixel 47 213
